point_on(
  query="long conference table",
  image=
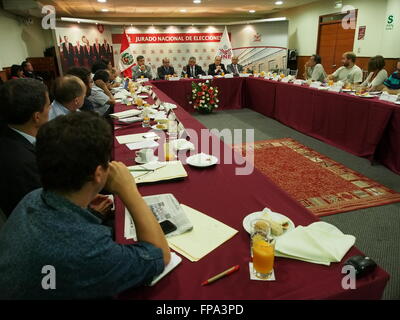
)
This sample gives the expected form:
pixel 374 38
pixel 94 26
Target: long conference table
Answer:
pixel 220 193
pixel 367 128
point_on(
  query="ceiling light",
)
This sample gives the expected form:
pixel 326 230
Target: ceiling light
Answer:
pixel 104 10
pixel 197 1
pixel 102 1
pixel 252 11
pixel 183 10
pixel 278 3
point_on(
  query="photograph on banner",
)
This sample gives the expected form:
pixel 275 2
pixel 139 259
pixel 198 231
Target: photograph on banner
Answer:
pixel 82 45
pixel 259 47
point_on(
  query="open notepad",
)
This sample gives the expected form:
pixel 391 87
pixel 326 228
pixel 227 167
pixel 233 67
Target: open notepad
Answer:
pixel 167 171
pixel 138 137
pixel 207 235
pixel 175 260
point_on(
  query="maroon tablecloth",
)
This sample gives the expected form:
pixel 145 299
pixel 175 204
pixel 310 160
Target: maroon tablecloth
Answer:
pixel 221 194
pixel 351 123
pixel 389 149
pixel 230 92
pixel 260 96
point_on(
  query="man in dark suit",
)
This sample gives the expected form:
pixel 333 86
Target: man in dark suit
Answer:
pixel 79 54
pixel 68 52
pixel 217 68
pixel 165 69
pixel 235 67
pixel 106 51
pixel 25 108
pixel 87 53
pixel 192 70
pixel 96 51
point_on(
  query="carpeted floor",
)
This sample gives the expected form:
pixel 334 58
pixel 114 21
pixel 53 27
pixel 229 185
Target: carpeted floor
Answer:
pixel 377 229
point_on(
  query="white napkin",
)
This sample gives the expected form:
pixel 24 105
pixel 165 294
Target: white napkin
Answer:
pixel 320 243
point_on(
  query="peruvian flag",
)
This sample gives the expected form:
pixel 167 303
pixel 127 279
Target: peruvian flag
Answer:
pixel 126 60
pixel 225 48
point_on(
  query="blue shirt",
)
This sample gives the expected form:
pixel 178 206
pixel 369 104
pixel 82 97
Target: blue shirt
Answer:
pixel 47 229
pixel 57 109
pixel 393 82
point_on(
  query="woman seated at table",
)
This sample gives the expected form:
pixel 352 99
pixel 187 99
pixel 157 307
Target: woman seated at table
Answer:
pixel 16 72
pixel 378 74
pixel 392 84
pixel 314 69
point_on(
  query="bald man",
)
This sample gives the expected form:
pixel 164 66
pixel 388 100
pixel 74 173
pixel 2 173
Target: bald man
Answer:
pixel 69 94
pixel 235 67
pixel 165 69
pixel 217 68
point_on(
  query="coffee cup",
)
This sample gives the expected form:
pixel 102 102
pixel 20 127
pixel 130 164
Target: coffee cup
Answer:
pixel 145 155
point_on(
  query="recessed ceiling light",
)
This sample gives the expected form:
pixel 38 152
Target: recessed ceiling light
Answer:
pixel 102 1
pixel 104 10
pixel 278 3
pixel 183 10
pixel 252 11
pixel 197 1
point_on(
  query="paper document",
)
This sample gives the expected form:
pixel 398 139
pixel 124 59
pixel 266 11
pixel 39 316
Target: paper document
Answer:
pixel 142 144
pixel 175 260
pixel 207 235
pixel 131 138
pixel 172 170
pixel 125 114
pixel 164 207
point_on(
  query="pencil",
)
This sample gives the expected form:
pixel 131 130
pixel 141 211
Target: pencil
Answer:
pixel 221 275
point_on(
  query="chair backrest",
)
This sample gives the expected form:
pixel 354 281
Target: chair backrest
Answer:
pixel 294 72
pixel 3 219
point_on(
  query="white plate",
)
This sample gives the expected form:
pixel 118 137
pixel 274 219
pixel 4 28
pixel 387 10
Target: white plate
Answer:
pixel 348 90
pixel 182 144
pixel 366 96
pixel 275 216
pixel 140 161
pixel 397 102
pixel 202 160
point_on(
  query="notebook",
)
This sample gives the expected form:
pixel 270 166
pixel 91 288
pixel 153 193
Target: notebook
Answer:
pixel 207 235
pixel 175 260
pixel 125 114
pixel 171 170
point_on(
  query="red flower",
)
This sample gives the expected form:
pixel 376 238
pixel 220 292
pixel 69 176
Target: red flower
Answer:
pixel 212 101
pixel 210 91
pixel 204 88
pixel 199 94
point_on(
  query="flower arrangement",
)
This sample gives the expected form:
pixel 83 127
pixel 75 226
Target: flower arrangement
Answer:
pixel 204 97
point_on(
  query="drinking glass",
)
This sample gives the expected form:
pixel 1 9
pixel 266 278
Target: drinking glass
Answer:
pixel 263 249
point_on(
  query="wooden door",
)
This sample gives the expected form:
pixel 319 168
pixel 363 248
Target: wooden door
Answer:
pixel 333 41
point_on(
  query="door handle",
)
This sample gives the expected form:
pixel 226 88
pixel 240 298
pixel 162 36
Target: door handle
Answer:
pixel 334 65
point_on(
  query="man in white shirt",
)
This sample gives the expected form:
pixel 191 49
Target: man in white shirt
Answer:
pixel 101 97
pixel 349 72
pixel 69 94
pixel 314 70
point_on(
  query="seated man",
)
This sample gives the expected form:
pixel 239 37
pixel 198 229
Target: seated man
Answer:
pixel 234 67
pixel 85 75
pixel 51 230
pixel 192 70
pixel 25 108
pixel 141 70
pixel 101 97
pixel 69 95
pixel 349 72
pixel 314 70
pixel 216 68
pixel 165 69
pixel 392 84
pixel 28 71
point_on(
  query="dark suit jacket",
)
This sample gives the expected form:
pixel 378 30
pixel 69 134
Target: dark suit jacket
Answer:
pixel 162 72
pixel 231 69
pixel 19 169
pixel 197 70
pixel 79 54
pixel 96 53
pixel 212 67
pixel 68 53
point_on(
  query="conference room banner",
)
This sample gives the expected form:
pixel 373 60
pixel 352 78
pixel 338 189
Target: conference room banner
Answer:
pixel 83 44
pixel 258 46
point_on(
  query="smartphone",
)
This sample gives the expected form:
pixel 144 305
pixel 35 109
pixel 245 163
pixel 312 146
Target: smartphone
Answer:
pixel 167 226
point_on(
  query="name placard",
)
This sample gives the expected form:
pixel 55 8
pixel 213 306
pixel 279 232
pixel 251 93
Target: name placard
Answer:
pixel 388 97
pixel 335 89
pixel 298 82
pixel 315 84
pixel 174 78
pixel 285 80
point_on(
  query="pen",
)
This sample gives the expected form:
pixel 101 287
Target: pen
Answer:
pixel 221 275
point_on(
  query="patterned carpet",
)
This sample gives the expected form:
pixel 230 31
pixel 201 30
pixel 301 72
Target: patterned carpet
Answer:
pixel 320 184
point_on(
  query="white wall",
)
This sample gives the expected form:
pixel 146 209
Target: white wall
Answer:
pixel 303 26
pixel 19 41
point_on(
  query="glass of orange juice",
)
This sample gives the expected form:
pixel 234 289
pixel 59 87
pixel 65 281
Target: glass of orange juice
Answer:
pixel 139 102
pixel 263 249
pixel 330 82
